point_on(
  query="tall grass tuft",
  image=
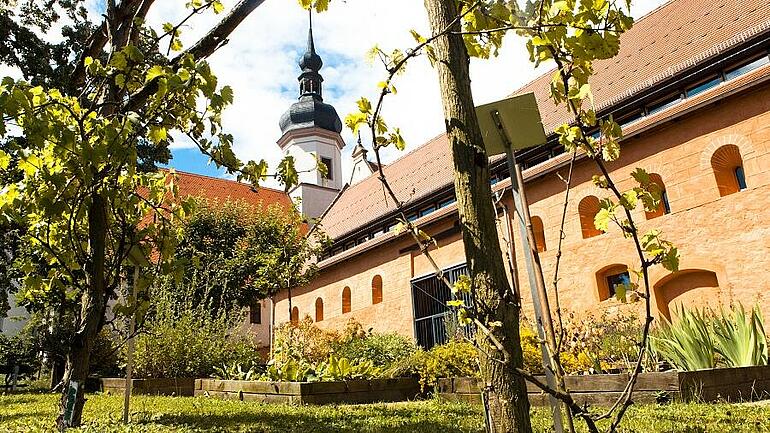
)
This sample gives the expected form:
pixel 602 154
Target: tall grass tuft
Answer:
pixel 687 342
pixel 700 339
pixel 740 337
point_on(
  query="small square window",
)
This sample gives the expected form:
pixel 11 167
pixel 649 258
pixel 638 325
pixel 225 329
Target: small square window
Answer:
pixel 255 313
pixel 615 280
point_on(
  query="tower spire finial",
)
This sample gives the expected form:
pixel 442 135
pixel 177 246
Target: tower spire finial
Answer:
pixel 310 43
pixel 310 80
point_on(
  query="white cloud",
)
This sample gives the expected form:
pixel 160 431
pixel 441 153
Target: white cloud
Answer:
pixel 260 63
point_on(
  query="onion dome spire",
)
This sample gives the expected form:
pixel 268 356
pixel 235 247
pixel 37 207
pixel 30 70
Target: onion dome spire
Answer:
pixel 310 110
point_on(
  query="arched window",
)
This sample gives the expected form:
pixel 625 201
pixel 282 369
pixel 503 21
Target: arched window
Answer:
pixel 728 169
pixel 687 287
pixel 346 300
pixel 609 278
pixel 376 289
pixel 295 316
pixel 319 310
pixel 537 227
pixel 588 208
pixel 663 207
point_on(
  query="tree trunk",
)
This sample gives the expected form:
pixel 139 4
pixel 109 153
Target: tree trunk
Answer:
pixel 493 298
pixel 93 305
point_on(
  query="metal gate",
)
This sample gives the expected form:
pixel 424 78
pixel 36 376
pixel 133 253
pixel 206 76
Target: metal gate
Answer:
pixel 431 313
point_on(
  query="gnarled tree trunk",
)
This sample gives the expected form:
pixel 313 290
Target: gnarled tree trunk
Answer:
pixel 495 302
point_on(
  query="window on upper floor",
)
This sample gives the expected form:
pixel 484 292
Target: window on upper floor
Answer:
pixel 328 163
pixel 746 67
pixel 627 119
pixel 319 310
pixel 537 228
pixel 255 313
pixel 587 209
pixel 664 103
pixel 427 211
pixel 446 202
pixel 376 289
pixel 294 316
pixel 727 164
pixel 704 85
pixel 346 300
pixel 663 207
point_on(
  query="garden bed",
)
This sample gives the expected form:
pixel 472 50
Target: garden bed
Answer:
pixel 180 386
pixel 726 384
pixel 349 391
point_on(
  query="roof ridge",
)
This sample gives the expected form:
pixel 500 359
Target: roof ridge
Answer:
pixel 205 176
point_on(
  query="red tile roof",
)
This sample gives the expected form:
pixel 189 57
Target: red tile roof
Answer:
pixel 670 39
pixel 214 188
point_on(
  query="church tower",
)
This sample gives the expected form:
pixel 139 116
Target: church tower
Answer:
pixel 311 132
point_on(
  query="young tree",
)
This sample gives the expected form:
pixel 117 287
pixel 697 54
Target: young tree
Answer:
pixel 494 300
pixel 242 253
pixel 78 200
pixel 573 34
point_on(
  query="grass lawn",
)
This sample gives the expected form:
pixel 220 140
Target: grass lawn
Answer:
pixel 36 413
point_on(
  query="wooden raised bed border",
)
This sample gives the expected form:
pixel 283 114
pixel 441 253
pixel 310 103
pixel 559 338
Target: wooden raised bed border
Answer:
pixel 181 386
pixel 727 384
pixel 351 391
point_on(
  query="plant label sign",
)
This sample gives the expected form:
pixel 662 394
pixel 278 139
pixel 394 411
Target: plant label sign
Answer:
pixel 69 403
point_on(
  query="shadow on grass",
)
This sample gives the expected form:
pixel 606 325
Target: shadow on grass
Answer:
pixel 335 420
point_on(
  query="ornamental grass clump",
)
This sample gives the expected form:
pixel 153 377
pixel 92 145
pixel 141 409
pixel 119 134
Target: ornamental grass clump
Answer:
pixel 700 339
pixel 740 338
pixel 687 342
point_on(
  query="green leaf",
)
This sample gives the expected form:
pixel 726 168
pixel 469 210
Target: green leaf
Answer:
pixel 5 159
pixel 153 73
pixel 364 105
pixel 157 134
pixel 602 219
pixel 218 7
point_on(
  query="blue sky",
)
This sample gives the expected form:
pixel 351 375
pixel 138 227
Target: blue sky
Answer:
pixel 191 160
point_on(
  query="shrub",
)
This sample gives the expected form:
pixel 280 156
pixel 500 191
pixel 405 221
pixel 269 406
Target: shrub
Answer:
pixel 530 346
pixel 314 345
pixel 306 340
pixel 182 339
pixel 383 350
pixel 289 365
pixel 17 351
pixel 453 359
pixel 596 344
